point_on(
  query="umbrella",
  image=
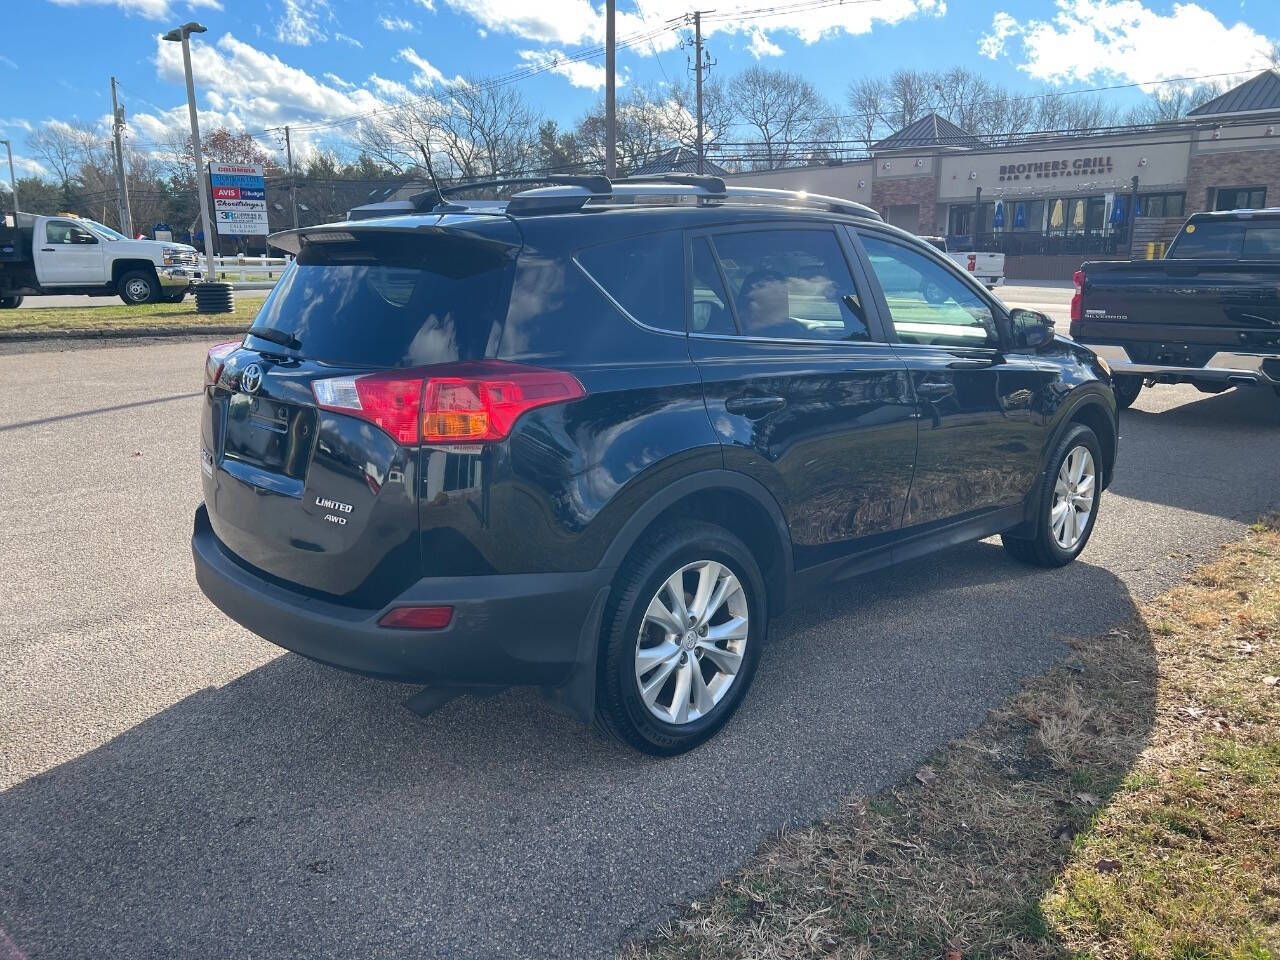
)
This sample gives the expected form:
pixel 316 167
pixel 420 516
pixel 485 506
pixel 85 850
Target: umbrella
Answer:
pixel 1077 218
pixel 997 219
pixel 1055 215
pixel 1117 211
pixel 1020 215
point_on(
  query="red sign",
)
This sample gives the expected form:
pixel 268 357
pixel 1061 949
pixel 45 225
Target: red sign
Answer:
pixel 226 193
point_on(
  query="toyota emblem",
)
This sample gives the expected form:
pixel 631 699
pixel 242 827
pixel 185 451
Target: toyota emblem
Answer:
pixel 251 379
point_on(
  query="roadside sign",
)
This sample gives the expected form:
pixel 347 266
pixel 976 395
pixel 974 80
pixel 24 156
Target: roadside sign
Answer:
pixel 239 198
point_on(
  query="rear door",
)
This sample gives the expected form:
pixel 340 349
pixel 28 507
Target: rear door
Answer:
pixel 311 495
pixel 980 439
pixel 800 386
pixel 67 253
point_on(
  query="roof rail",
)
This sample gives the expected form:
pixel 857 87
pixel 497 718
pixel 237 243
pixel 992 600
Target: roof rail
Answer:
pixel 709 183
pixel 788 197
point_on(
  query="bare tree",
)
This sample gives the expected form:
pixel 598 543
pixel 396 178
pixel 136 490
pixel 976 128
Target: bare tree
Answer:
pixel 67 149
pixel 1173 102
pixel 785 113
pixel 868 98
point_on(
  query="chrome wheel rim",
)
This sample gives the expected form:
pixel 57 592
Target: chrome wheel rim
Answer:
pixel 138 289
pixel 1073 496
pixel 691 642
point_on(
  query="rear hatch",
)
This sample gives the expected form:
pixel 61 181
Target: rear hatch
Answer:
pixel 320 498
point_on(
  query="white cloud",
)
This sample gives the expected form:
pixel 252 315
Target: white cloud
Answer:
pixel 338 82
pixel 427 74
pixel 5 61
pixel 395 24
pixel 426 4
pixel 1125 39
pixel 150 9
pixel 16 123
pixel 762 46
pixel 303 22
pixel 389 89
pixel 350 41
pixel 580 73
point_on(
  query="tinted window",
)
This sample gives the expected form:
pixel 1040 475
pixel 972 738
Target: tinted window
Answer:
pixel 1261 243
pixel 391 302
pixel 711 312
pixel 1208 240
pixel 791 284
pixel 644 274
pixel 927 302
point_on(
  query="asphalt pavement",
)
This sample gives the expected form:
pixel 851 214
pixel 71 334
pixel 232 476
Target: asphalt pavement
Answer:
pixel 174 786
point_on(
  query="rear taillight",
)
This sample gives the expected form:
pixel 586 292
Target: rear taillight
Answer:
pixel 1078 279
pixel 217 359
pixel 455 403
pixel 973 262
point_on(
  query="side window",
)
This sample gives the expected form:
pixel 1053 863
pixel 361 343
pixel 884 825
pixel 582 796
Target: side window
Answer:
pixel 57 231
pixel 928 304
pixel 644 275
pixel 1261 243
pixel 711 312
pixel 791 284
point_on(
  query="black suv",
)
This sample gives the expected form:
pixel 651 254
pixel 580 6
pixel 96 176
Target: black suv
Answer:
pixel 594 437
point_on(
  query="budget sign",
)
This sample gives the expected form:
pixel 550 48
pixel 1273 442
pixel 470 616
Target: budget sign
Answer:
pixel 239 198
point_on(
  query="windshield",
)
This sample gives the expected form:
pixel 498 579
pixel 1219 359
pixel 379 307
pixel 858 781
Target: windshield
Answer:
pixel 103 230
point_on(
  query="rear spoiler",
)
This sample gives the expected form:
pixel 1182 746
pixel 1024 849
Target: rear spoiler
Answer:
pixel 292 241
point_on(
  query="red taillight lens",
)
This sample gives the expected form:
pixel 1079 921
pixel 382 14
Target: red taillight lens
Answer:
pixel 217 359
pixel 1078 279
pixel 417 618
pixel 973 262
pixel 455 403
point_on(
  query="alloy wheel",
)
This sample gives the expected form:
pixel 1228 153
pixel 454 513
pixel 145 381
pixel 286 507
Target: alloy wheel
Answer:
pixel 1073 497
pixel 691 642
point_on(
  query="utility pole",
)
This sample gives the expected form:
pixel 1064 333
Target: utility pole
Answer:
pixel 122 184
pixel 697 59
pixel 13 183
pixel 293 177
pixel 610 89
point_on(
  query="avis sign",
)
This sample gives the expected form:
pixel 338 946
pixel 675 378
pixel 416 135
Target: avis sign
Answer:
pixel 239 198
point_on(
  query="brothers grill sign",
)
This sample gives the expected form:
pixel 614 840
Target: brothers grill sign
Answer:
pixel 1044 169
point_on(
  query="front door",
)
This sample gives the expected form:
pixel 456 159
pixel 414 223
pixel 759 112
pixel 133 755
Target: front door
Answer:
pixel 69 254
pixel 980 440
pixel 800 386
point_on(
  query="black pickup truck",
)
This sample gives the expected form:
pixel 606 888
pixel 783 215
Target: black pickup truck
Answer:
pixel 1208 314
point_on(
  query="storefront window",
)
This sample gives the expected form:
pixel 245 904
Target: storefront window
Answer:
pixel 1161 204
pixel 1240 198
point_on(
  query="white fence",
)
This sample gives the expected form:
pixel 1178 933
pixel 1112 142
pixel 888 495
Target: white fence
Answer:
pixel 250 269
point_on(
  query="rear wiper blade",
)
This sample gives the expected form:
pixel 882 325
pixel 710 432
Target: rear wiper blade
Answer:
pixel 275 336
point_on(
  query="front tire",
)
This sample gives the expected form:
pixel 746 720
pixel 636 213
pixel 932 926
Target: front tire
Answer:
pixel 175 297
pixel 138 287
pixel 667 686
pixel 1126 387
pixel 1067 503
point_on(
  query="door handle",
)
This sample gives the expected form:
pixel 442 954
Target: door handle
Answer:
pixel 932 390
pixel 974 364
pixel 753 406
pixel 48 250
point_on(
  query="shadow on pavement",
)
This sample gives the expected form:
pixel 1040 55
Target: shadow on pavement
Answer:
pixel 300 811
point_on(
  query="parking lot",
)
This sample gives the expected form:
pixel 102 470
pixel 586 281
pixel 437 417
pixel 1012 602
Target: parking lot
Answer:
pixel 175 786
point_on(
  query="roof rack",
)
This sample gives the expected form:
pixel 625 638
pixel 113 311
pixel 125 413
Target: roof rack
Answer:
pixel 434 200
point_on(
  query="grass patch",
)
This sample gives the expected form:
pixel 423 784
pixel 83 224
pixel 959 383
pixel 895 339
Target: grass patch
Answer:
pixel 1124 805
pixel 118 316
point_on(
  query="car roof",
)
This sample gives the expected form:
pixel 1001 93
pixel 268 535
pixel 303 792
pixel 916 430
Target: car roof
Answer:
pixel 1265 213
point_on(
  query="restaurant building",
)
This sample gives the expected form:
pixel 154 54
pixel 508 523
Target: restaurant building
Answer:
pixel 1049 201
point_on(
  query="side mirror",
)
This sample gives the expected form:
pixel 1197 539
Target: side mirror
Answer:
pixel 82 237
pixel 1031 329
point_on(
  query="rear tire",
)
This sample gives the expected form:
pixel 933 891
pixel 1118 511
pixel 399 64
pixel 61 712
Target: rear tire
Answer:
pixel 10 303
pixel 138 287
pixel 1067 507
pixel 1127 388
pixel 693 681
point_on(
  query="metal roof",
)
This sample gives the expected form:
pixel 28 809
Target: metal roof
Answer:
pixel 679 160
pixel 930 130
pixel 1259 94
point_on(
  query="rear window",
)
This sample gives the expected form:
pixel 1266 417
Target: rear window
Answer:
pixel 645 275
pixel 392 301
pixel 1261 243
pixel 1208 240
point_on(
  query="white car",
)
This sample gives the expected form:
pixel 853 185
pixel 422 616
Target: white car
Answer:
pixel 43 256
pixel 988 268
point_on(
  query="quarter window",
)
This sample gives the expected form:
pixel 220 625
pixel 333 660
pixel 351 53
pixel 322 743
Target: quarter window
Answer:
pixel 928 304
pixel 791 284
pixel 711 311
pixel 644 275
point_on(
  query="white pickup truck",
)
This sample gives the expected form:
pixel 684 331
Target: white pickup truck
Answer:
pixel 42 256
pixel 987 268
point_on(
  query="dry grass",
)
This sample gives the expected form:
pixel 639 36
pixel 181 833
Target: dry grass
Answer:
pixel 116 316
pixel 1124 805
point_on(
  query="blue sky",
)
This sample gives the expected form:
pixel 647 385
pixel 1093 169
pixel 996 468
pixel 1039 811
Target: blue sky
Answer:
pixel 268 62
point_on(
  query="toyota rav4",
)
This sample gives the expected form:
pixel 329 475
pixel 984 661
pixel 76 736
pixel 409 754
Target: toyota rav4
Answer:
pixel 595 437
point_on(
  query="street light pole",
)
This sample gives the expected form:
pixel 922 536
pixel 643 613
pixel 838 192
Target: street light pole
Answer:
pixel 182 35
pixel 13 183
pixel 610 88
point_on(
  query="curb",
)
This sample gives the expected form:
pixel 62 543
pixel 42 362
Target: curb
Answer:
pixel 124 333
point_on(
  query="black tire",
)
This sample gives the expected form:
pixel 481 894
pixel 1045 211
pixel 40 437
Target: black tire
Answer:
pixel 1127 388
pixel 620 709
pixel 10 303
pixel 139 286
pixel 1043 549
pixel 175 297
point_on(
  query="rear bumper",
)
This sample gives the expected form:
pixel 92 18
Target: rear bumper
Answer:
pixel 516 629
pixel 1239 369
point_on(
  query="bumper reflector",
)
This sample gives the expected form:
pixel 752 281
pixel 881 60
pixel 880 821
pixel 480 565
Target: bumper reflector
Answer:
pixel 417 618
